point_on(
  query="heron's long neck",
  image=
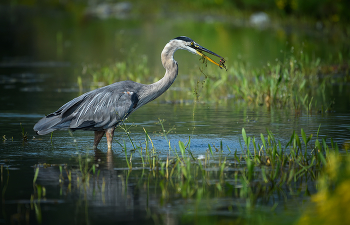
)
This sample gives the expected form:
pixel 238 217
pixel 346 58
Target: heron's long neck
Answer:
pixel 156 89
pixel 171 68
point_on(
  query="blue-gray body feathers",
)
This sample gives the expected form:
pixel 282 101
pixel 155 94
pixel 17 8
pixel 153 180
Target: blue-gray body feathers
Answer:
pixel 96 110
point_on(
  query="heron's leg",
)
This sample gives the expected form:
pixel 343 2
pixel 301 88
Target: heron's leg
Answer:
pixel 98 137
pixel 109 136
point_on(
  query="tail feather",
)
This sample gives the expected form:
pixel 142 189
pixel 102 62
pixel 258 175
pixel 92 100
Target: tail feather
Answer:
pixel 61 119
pixel 47 125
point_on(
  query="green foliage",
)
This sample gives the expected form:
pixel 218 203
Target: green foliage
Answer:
pixel 333 196
pixel 294 82
pixel 135 69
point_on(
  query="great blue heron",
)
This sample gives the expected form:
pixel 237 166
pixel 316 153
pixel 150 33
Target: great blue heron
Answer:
pixel 101 110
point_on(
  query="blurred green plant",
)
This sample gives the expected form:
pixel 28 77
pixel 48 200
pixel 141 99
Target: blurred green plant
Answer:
pixel 330 203
pixel 135 69
pixel 298 82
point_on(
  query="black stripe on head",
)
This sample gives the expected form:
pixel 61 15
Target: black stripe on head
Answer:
pixel 184 38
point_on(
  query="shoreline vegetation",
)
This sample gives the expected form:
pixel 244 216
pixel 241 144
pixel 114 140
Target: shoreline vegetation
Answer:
pixel 299 82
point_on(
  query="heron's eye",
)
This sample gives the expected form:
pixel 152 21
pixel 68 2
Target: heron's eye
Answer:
pixel 192 43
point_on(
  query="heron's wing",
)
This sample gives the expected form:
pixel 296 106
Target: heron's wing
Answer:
pixel 102 110
pixel 99 109
pixel 96 110
pixel 69 107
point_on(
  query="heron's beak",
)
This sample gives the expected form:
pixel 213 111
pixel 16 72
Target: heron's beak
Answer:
pixel 200 50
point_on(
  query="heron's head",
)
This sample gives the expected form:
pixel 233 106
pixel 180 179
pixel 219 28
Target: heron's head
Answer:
pixel 191 46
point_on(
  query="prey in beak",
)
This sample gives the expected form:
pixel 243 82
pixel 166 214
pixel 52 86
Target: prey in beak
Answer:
pixel 200 51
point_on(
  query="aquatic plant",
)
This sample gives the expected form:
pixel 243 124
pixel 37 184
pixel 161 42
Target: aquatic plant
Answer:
pixel 295 82
pixel 267 161
pixel 239 181
pixel 24 134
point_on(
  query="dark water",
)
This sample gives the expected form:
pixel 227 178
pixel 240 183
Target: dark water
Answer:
pixel 38 75
pixel 140 200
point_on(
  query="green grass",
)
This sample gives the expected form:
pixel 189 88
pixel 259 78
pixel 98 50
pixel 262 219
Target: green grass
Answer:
pixel 256 172
pixel 24 134
pixel 134 69
pixel 299 82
